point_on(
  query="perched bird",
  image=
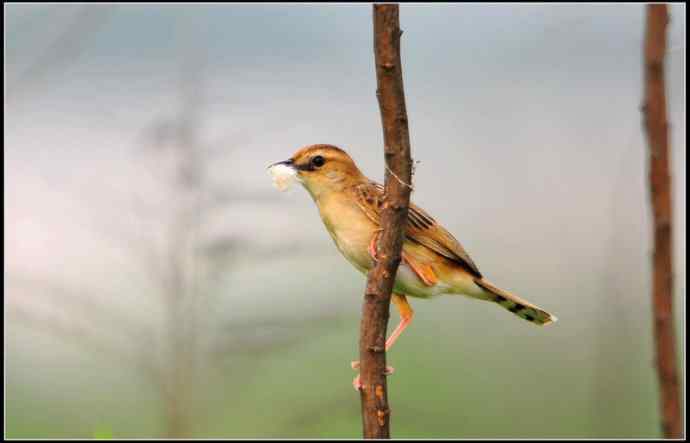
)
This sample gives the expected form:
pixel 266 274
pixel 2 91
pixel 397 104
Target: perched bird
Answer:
pixel 433 261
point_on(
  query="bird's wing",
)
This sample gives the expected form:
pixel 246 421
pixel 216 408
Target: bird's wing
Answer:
pixel 421 227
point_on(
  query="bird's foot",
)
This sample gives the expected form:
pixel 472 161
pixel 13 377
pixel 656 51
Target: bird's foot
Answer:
pixel 374 241
pixel 356 383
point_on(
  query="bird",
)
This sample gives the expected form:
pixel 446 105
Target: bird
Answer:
pixel 433 262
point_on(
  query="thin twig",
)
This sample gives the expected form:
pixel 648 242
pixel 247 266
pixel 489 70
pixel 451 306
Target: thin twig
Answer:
pixel 399 179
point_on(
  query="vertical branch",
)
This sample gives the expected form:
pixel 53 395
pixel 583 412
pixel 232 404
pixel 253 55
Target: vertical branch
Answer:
pixel 375 311
pixel 656 127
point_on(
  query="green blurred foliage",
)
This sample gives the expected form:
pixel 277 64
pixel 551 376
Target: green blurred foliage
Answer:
pixel 463 369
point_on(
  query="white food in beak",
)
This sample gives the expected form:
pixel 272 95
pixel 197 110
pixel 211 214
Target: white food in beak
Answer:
pixel 283 176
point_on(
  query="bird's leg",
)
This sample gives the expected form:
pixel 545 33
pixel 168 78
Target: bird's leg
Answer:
pixel 406 314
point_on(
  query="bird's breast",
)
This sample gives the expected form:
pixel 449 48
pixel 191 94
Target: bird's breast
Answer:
pixel 350 229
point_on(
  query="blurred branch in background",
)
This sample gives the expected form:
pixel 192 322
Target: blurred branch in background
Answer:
pixel 180 253
pixel 90 337
pixel 656 126
pixel 62 49
pixel 61 297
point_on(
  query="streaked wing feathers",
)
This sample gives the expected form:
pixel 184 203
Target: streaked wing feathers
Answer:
pixel 421 227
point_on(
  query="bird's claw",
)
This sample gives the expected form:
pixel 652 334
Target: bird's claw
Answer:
pixel 374 241
pixel 356 383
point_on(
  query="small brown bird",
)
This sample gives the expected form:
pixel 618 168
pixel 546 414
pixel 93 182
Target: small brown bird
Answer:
pixel 433 261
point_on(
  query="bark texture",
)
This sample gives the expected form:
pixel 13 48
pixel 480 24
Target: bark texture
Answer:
pixel 656 127
pixel 375 311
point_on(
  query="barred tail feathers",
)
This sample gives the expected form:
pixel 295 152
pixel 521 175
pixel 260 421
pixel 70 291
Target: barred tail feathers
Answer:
pixel 515 304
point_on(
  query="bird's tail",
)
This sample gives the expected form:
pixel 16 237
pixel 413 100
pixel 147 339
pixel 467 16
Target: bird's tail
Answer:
pixel 515 304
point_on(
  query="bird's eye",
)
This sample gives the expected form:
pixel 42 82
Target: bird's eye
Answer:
pixel 318 161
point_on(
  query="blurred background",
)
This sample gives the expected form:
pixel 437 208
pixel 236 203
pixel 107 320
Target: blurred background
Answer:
pixel 156 284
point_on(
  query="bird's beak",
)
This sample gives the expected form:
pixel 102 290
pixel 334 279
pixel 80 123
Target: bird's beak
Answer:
pixel 289 163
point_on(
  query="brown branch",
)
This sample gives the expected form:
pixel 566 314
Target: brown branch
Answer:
pixel 375 311
pixel 656 126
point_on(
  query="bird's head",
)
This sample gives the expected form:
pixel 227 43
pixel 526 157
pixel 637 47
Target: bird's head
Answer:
pixel 324 168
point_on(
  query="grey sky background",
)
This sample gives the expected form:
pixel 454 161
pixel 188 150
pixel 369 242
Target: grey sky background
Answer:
pixel 524 119
pixel 527 113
